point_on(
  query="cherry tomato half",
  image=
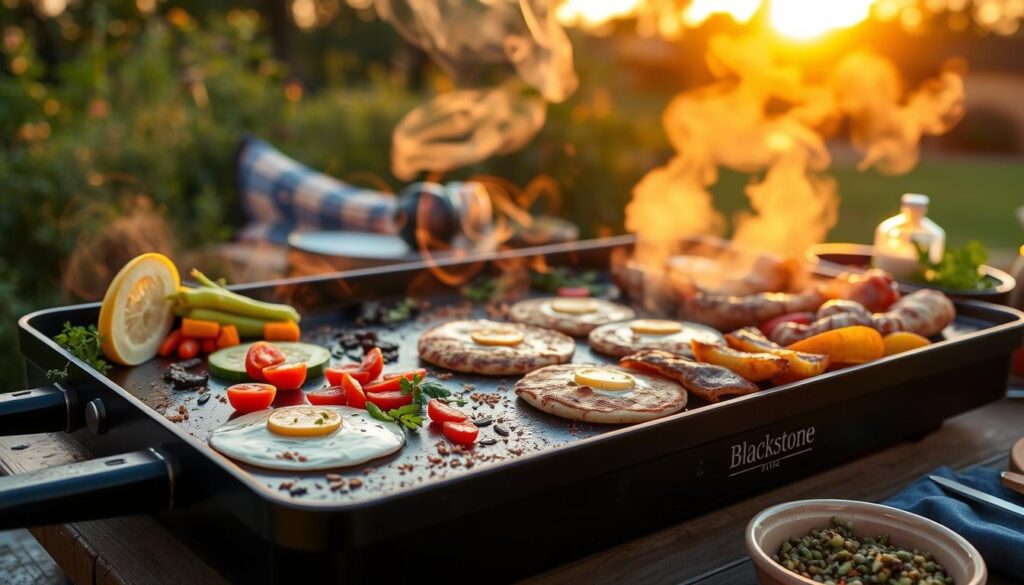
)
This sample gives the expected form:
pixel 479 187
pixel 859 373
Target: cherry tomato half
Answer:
pixel 209 345
pixel 251 397
pixel 355 370
pixel 373 363
pixel 334 395
pixel 188 349
pixel 354 394
pixel 286 376
pixel 392 382
pixel 259 356
pixel 440 412
pixel 463 433
pixel 388 400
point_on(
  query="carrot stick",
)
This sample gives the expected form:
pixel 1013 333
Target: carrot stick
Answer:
pixel 228 337
pixel 281 331
pixel 199 329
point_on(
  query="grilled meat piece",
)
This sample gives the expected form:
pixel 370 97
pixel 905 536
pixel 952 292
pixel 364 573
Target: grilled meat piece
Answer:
pixel 726 312
pixel 925 312
pixel 708 382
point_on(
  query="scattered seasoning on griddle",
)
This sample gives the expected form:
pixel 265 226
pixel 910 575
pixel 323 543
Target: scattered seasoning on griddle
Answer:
pixel 203 398
pixel 488 441
pixel 333 477
pixel 501 430
pixel 445 376
pixel 355 483
pixel 298 491
pixel 181 416
pixel 483 421
pixel 336 485
pixel 286 485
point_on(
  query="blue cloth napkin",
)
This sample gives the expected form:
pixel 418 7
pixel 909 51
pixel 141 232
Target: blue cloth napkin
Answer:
pixel 997 534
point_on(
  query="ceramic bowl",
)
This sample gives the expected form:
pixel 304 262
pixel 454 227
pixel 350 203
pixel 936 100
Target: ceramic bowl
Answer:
pixel 766 532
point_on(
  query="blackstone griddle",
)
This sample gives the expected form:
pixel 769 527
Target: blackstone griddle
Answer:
pixel 545 491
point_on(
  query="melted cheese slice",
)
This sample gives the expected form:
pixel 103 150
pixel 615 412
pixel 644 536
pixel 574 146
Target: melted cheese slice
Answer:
pixel 655 326
pixel 574 306
pixel 506 337
pixel 303 421
pixel 604 379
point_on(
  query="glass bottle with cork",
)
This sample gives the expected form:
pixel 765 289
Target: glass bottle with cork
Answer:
pixel 898 238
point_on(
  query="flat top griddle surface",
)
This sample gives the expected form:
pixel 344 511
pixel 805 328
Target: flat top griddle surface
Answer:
pixel 515 428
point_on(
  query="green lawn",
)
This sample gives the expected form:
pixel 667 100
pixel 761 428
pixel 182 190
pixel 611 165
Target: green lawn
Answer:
pixel 972 198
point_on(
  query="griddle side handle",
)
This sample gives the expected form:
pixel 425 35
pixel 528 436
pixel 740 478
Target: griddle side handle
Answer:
pixel 139 482
pixel 46 409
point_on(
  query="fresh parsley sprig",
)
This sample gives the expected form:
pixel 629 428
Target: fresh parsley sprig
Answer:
pixel 960 268
pixel 83 343
pixel 422 391
pixel 407 416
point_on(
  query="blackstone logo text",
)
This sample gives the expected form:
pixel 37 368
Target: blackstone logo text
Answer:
pixel 771 447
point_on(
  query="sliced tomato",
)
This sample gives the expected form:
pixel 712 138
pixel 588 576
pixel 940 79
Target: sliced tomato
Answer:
pixel 251 397
pixel 188 349
pixel 803 318
pixel 259 356
pixel 392 382
pixel 170 344
pixel 440 412
pixel 463 433
pixel 354 394
pixel 373 363
pixel 388 400
pixel 334 395
pixel 355 370
pixel 286 376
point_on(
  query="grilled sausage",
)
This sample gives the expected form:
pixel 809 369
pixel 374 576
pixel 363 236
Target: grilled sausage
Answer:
pixel 727 312
pixel 833 314
pixel 925 312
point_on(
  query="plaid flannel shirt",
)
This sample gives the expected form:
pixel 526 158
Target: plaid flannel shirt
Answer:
pixel 281 195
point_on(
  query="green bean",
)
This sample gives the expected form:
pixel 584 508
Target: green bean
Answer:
pixel 231 302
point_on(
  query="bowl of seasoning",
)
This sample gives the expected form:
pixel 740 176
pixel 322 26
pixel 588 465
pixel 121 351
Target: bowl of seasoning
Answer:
pixel 848 542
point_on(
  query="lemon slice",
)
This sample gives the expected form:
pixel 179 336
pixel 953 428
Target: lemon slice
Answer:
pixel 507 337
pixel 604 379
pixel 303 421
pixel 136 315
pixel 574 306
pixel 656 326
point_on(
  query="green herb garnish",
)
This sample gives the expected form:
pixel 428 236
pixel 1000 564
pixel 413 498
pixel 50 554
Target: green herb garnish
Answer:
pixel 960 268
pixel 422 391
pixel 481 290
pixel 407 416
pixel 84 344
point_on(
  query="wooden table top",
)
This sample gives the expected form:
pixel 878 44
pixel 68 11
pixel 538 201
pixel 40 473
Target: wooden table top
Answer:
pixel 706 550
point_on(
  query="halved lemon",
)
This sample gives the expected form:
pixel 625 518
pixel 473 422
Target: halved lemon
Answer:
pixel 656 326
pixel 136 315
pixel 574 306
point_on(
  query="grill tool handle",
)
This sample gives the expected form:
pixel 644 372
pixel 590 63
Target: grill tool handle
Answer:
pixel 133 483
pixel 46 409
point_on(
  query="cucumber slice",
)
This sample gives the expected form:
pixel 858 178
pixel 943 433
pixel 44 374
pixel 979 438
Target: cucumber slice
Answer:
pixel 229 363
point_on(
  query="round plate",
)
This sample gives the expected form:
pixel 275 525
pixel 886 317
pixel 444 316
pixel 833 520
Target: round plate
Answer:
pixel 363 245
